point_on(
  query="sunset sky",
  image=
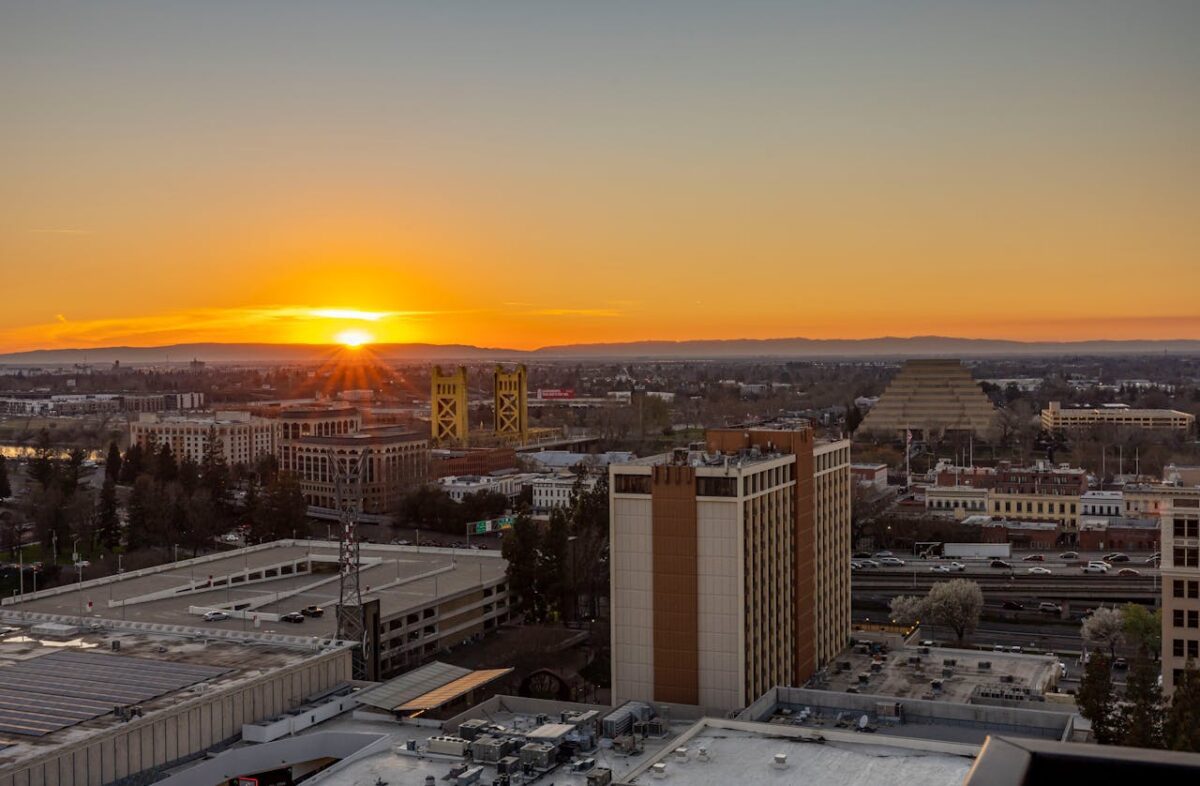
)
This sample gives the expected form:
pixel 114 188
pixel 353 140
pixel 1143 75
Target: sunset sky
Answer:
pixel 522 174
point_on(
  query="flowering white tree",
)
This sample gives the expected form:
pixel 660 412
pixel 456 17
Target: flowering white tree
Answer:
pixel 954 604
pixel 1104 628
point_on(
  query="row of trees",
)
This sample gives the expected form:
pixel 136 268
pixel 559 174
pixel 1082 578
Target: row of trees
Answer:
pixel 1142 717
pixel 560 571
pixel 430 507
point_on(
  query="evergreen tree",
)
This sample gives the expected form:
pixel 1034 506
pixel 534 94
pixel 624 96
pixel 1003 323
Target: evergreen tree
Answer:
pixel 520 549
pixel 112 464
pixel 1181 729
pixel 166 468
pixel 552 564
pixel 853 417
pixel 1142 713
pixel 108 525
pixel 42 469
pixel 189 476
pixel 5 487
pixel 282 510
pixel 1096 701
pixel 134 464
pixel 140 511
pixel 214 475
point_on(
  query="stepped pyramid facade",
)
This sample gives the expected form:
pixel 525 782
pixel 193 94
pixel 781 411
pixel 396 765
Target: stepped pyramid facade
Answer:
pixel 929 395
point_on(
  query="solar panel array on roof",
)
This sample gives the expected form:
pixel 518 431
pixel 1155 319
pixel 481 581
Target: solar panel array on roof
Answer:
pixel 409 686
pixel 50 692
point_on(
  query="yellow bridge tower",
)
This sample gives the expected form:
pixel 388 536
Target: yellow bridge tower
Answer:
pixel 512 403
pixel 448 406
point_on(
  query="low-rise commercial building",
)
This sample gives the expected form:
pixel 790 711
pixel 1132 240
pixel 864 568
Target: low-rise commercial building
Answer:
pixel 554 491
pixel 956 502
pixel 1039 493
pixel 1056 418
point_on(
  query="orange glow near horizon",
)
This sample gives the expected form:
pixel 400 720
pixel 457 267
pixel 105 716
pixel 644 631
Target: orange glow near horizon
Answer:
pixel 1020 171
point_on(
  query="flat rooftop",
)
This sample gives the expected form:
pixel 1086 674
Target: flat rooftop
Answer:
pixel 737 752
pixel 266 581
pixel 397 767
pixel 910 672
pixel 172 669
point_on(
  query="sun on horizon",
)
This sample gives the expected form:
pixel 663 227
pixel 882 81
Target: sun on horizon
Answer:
pixel 353 338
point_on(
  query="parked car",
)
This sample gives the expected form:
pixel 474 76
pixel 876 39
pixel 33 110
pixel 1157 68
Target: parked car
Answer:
pixel 1013 605
pixel 1049 608
pixel 1128 572
pixel 957 566
pixel 1062 669
pixel 215 616
pixel 292 616
pixel 1116 556
pixel 1039 570
pixel 1120 663
pixel 312 611
pixel 891 562
pixel 1069 555
pixel 999 563
pixel 1034 558
pixel 940 569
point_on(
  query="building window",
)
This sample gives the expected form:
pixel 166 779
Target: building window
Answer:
pixel 1177 618
pixel 1177 648
pixel 633 484
pixel 1193 618
pixel 1178 588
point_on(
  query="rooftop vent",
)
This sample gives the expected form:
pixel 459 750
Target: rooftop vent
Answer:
pixel 780 762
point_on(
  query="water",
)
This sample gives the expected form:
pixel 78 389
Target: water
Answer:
pixel 25 451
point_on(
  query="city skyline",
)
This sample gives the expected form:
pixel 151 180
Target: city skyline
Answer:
pixel 529 174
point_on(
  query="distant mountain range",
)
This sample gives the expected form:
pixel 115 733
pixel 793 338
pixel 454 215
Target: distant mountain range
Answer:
pixel 885 347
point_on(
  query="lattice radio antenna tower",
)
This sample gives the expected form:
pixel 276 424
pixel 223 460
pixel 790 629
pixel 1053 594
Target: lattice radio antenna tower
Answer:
pixel 348 472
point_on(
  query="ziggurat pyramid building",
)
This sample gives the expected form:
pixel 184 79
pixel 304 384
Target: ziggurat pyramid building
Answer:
pixel 931 395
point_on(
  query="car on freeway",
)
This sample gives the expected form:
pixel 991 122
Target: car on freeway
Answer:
pixel 215 616
pixel 879 554
pixel 1013 605
pixel 312 611
pixel 1069 555
pixel 1128 572
pixel 869 563
pixel 1116 556
pixel 1039 570
pixel 855 565
pixel 957 567
pixel 293 617
pixel 1093 567
pixel 999 563
pixel 940 569
pixel 1046 607
pixel 891 562
pixel 1153 559
pixel 1034 558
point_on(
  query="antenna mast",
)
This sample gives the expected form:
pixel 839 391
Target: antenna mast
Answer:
pixel 347 472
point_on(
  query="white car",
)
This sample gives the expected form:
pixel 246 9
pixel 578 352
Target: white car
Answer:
pixel 215 616
pixel 1040 571
pixel 957 566
pixel 940 569
pixel 891 562
pixel 869 563
pixel 1094 568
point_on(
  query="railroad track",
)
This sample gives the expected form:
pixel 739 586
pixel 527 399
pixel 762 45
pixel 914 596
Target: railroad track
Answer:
pixel 1084 587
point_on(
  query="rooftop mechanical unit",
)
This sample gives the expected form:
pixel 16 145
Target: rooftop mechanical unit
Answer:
pixel 538 755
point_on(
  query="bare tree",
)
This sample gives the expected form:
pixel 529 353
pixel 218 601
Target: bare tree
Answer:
pixel 1104 628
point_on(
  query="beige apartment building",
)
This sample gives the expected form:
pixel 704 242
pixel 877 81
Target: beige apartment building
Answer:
pixel 1055 418
pixel 1181 588
pixel 729 567
pixel 242 437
